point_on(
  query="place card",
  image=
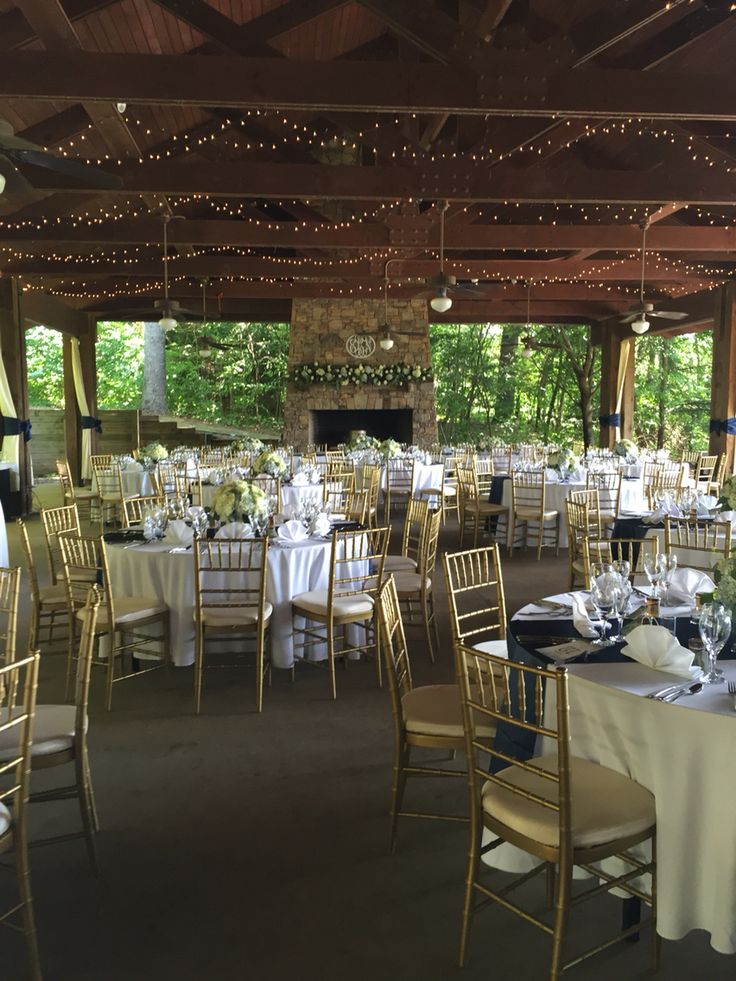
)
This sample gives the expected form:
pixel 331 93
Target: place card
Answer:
pixel 566 651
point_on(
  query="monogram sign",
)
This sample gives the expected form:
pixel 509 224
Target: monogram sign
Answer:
pixel 360 345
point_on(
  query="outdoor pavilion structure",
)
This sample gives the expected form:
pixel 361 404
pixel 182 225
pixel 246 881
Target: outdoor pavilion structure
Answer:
pixel 297 145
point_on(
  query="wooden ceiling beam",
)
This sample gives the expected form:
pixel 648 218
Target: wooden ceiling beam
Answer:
pixel 371 235
pixel 15 29
pixel 280 268
pixel 431 181
pixel 512 88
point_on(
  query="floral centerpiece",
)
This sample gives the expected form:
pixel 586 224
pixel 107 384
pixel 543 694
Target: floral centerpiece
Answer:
pixel 362 443
pixel 271 463
pixel 248 444
pixel 727 498
pixel 724 576
pixel 563 460
pixel 398 374
pixel 390 448
pixel 240 500
pixel 627 449
pixel 153 453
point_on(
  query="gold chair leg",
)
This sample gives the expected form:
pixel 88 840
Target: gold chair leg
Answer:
pixel 24 888
pixel 85 811
pixel 401 759
pixel 331 659
pixel 512 535
pixel 562 902
pixel 471 875
pixel 426 617
pixel 198 655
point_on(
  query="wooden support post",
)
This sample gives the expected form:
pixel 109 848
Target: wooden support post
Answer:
pixel 13 344
pixel 72 432
pixel 611 345
pixel 723 378
pixel 88 356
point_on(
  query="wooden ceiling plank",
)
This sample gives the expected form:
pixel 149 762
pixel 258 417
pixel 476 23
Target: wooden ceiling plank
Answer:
pixel 15 29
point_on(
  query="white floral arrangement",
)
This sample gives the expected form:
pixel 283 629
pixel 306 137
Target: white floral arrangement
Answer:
pixel 724 576
pixel 271 463
pixel 399 374
pixel 248 444
pixel 238 500
pixel 626 448
pixel 390 448
pixel 563 459
pixel 363 443
pixel 727 499
pixel 416 453
pixel 155 452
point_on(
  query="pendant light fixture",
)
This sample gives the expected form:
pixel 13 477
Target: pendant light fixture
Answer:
pixel 167 321
pixel 528 350
pixel 205 351
pixel 441 303
pixel 386 342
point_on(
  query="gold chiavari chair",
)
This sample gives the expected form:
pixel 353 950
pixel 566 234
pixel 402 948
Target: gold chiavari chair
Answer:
pixel 9 592
pixel 528 508
pixel 697 544
pixel 582 524
pixel 608 486
pixel 230 578
pixel 370 482
pixel 705 472
pixel 100 460
pixel 60 737
pixel 501 457
pixel 165 479
pixel 563 810
pixel 55 522
pixel 18 685
pixel 399 483
pixel 109 482
pixel 134 508
pixel 356 571
pixel 271 486
pixel 691 458
pixel 475 507
pixel 719 475
pixel 122 620
pixel 47 602
pixel 81 496
pixel 339 480
pixel 335 456
pixel 632 550
pixel 414 524
pixel 427 717
pixel 414 589
pixel 476 599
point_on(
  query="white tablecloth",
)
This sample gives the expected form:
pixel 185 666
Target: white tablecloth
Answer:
pixel 136 483
pixel 152 570
pixel 683 753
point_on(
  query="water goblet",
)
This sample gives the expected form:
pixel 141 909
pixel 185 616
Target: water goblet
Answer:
pixel 715 629
pixel 653 571
pixel 622 596
pixel 622 567
pixel 668 564
pixel 603 599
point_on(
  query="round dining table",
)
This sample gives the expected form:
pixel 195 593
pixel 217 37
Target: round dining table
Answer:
pixel 682 752
pixel 167 572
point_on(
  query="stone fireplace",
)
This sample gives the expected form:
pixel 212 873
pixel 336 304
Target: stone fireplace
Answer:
pixel 326 414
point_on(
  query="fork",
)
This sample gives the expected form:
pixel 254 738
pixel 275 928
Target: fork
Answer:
pixel 732 692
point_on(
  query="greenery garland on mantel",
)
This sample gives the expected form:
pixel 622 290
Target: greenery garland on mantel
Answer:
pixel 397 375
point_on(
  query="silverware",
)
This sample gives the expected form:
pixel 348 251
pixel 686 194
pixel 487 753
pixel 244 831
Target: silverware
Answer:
pixel 690 690
pixel 661 692
pixel 732 692
pixel 134 545
pixel 553 605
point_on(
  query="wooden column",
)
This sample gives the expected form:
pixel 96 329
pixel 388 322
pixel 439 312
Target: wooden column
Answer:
pixel 13 342
pixel 723 378
pixel 72 431
pixel 610 361
pixel 88 355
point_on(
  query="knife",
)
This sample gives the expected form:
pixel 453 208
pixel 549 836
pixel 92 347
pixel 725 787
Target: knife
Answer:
pixel 670 690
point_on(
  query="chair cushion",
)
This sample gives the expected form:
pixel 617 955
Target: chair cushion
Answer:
pixel 84 494
pixel 399 563
pixel 5 819
pixel 409 583
pixel 235 616
pixel 607 517
pixel 449 490
pixel 53 732
pixel 436 710
pixel 606 805
pixel 531 514
pixel 128 609
pixel 52 597
pixel 498 648
pixel 352 605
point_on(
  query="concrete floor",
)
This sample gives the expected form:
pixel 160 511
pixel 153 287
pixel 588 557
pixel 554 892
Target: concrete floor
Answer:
pixel 239 846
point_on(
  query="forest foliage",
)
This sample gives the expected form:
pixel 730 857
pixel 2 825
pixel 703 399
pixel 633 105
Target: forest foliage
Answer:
pixel 485 386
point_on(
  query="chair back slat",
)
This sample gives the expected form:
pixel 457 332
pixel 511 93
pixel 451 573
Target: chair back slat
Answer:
pixel 475 595
pixel 55 522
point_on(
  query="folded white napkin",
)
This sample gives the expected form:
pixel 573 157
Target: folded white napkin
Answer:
pixel 657 648
pixel 668 508
pixel 134 465
pixel 292 531
pixel 178 533
pixel 551 475
pixel 235 529
pixel 685 583
pixel 300 479
pixel 580 619
pixel 321 525
pixel 578 475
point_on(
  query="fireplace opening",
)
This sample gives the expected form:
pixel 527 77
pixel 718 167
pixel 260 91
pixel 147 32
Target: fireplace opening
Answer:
pixel 333 426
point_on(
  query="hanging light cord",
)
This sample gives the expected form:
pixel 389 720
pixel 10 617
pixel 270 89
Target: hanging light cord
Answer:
pixel 166 260
pixel 644 227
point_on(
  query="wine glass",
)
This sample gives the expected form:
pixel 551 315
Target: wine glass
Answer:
pixel 603 598
pixel 622 567
pixel 715 629
pixel 653 571
pixel 622 595
pixel 667 564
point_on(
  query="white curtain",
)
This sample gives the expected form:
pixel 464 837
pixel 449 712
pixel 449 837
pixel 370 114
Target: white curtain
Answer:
pixel 623 360
pixel 83 406
pixel 10 452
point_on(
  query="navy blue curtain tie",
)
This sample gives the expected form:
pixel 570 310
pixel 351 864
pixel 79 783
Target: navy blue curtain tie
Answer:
pixel 17 427
pixel 89 422
pixel 725 426
pixel 612 421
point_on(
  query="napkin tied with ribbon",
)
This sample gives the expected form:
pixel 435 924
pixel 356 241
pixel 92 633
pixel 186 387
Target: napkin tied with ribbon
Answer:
pixel 657 648
pixel 300 479
pixel 581 621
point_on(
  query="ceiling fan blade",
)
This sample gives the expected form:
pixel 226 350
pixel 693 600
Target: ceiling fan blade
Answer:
pixel 468 291
pixel 15 182
pixel 425 294
pixel 67 167
pixel 668 314
pixel 630 317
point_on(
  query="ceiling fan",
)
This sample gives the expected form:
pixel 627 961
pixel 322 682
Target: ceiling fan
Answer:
pixel 168 309
pixel 638 315
pixel 20 162
pixel 442 283
pixel 387 331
